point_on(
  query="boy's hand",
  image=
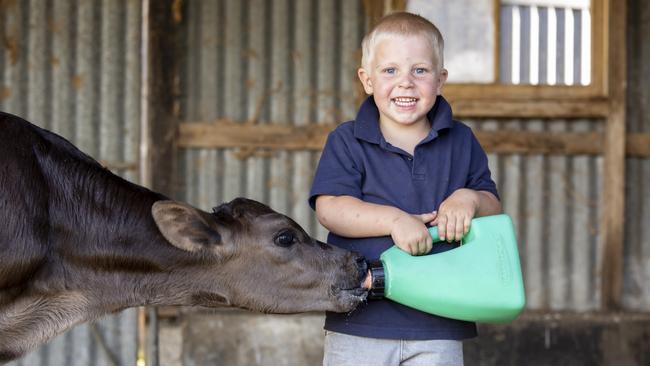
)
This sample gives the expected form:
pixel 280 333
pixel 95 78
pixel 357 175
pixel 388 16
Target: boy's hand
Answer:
pixel 456 213
pixel 411 235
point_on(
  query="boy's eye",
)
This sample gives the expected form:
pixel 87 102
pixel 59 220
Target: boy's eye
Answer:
pixel 390 70
pixel 420 70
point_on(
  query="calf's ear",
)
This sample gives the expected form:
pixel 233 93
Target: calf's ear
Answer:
pixel 184 226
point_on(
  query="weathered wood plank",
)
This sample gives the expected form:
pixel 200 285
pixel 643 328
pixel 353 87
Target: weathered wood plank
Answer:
pixel 228 134
pixel 503 108
pixel 612 219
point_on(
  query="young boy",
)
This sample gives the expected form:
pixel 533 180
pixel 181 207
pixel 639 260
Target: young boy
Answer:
pixel 401 164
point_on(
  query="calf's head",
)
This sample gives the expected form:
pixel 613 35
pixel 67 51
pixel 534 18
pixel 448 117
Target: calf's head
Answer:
pixel 255 258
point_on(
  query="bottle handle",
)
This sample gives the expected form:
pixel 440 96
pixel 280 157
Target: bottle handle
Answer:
pixel 433 231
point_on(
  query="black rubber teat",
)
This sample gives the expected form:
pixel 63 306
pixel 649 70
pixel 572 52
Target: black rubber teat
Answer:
pixel 378 280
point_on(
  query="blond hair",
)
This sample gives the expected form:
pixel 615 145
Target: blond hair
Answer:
pixel 403 24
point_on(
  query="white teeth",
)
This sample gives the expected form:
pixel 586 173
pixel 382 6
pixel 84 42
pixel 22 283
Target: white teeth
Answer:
pixel 405 102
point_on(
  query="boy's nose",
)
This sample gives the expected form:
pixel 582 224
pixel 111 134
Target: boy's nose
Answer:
pixel 406 81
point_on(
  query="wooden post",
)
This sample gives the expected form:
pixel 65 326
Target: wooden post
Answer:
pixel 159 122
pixel 613 220
pixel 164 51
pixel 376 9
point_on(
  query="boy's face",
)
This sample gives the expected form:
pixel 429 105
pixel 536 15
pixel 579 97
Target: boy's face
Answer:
pixel 403 79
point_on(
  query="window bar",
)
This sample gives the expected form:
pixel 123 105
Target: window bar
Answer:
pixel 585 58
pixel 551 66
pixel 534 45
pixel 568 46
pixel 516 45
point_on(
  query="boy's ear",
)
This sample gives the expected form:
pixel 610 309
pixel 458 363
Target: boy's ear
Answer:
pixel 442 79
pixel 364 76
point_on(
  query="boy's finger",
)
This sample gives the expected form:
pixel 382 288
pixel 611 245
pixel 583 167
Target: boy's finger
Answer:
pixel 468 222
pixel 460 228
pixel 451 229
pixel 424 243
pixel 427 217
pixel 418 249
pixel 442 227
pixel 408 248
pixel 428 244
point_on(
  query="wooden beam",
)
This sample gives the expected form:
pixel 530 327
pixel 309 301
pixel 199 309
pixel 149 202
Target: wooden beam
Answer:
pixel 599 46
pixel 224 134
pixel 502 108
pixel 637 144
pixel 523 92
pixel 228 134
pixel 528 142
pixel 613 215
pixel 374 11
pixel 165 44
pixel 162 41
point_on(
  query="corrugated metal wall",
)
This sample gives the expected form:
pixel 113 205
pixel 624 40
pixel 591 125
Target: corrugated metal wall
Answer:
pixel 284 62
pixel 74 67
pixel 554 200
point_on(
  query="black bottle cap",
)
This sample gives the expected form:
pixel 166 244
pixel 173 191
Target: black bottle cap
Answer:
pixel 378 280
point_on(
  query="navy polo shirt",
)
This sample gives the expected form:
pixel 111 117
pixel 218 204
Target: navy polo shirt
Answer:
pixel 357 161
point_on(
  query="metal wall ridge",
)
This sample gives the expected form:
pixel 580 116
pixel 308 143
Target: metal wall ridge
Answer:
pixel 73 67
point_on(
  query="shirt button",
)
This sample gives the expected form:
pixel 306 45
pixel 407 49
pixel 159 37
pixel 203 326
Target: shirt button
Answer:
pixel 409 158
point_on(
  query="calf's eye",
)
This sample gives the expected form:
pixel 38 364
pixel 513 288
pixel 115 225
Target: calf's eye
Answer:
pixel 285 239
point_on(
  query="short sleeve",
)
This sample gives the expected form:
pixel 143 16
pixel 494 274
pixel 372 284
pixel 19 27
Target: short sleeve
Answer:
pixel 479 178
pixel 336 174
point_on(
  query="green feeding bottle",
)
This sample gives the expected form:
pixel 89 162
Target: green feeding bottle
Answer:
pixel 478 281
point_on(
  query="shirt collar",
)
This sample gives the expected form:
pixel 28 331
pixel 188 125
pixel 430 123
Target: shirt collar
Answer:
pixel 366 126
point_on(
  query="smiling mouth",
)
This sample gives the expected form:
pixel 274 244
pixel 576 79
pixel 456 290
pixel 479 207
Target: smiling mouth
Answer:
pixel 404 101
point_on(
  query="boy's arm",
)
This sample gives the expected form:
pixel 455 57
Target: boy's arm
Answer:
pixel 457 211
pixel 479 198
pixel 351 217
pixel 488 204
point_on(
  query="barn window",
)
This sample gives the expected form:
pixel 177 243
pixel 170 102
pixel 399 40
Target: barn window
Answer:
pixel 536 42
pixel 519 58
